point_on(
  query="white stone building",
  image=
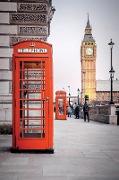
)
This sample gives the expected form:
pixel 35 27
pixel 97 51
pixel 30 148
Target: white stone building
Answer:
pixel 19 20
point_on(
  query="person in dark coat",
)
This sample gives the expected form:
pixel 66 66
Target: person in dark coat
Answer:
pixel 86 111
pixel 76 112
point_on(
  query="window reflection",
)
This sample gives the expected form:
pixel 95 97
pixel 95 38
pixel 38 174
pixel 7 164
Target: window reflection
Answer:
pixel 60 106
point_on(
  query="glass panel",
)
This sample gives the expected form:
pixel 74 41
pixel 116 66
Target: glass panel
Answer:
pixel 32 102
pixel 61 106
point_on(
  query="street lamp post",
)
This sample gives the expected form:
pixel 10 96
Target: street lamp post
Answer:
pixel 69 94
pixel 111 44
pixel 78 90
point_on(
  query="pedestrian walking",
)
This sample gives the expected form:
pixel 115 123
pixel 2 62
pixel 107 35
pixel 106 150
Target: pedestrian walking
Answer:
pixel 69 111
pixel 86 111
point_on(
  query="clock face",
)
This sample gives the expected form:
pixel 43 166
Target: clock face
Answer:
pixel 89 51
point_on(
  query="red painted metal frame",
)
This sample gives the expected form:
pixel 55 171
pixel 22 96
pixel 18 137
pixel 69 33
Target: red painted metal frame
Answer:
pixel 26 135
pixel 60 100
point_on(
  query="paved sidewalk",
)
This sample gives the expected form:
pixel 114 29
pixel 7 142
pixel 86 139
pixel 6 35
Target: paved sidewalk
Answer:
pixel 83 151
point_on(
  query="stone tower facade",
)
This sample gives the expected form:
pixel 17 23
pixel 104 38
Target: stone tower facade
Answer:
pixel 19 20
pixel 88 64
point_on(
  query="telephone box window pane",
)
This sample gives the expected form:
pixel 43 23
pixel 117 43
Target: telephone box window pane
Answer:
pixel 61 106
pixel 32 104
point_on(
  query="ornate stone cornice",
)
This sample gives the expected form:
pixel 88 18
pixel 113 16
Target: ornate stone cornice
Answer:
pixel 29 1
pixel 32 7
pixel 29 18
pixel 33 30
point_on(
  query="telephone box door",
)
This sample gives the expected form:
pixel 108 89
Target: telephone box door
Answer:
pixel 60 105
pixel 32 128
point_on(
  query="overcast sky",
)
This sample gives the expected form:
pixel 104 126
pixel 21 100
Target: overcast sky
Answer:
pixel 67 31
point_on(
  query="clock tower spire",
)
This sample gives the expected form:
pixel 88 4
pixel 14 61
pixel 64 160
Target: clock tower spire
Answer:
pixel 88 63
pixel 88 32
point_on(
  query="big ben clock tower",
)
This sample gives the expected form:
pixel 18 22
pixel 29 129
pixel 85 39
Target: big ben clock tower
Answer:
pixel 88 64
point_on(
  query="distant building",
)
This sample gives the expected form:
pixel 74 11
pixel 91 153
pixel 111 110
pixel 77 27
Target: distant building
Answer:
pixel 103 90
pixel 97 90
pixel 88 64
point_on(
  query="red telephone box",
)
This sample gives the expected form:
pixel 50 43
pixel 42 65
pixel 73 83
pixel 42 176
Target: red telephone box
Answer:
pixel 32 96
pixel 60 105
